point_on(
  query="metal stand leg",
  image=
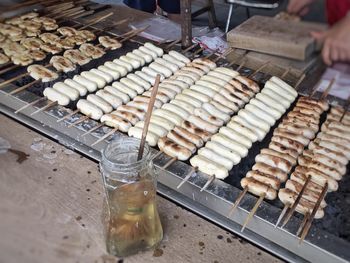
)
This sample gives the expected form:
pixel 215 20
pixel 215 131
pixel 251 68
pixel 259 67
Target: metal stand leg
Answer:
pixel 229 18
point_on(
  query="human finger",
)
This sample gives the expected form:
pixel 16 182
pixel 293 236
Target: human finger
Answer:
pixel 326 53
pixel 334 55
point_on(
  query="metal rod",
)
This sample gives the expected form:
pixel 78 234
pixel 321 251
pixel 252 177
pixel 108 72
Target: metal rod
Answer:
pixel 80 120
pixel 187 177
pixel 296 202
pixel 211 179
pixel 68 115
pixel 313 213
pixel 105 136
pixel 252 213
pixel 30 104
pixel 284 211
pixel 24 87
pixel 93 129
pixel 148 117
pixel 238 200
pixel 51 104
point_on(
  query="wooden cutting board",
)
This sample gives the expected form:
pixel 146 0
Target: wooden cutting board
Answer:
pixel 290 39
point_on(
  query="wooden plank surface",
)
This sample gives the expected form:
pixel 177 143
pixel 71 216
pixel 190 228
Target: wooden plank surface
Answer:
pixel 51 211
pixel 289 39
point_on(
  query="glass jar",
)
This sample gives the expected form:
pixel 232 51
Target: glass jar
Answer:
pixel 133 222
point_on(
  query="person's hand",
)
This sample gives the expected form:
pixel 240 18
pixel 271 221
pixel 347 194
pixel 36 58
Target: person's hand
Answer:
pixel 336 42
pixel 299 7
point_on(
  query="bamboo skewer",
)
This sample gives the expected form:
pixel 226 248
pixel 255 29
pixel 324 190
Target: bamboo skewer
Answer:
pixel 192 172
pixel 11 67
pixel 30 104
pixel 172 44
pixel 96 20
pixel 211 53
pixel 238 200
pixel 170 162
pixel 80 120
pixel 93 129
pixel 2 84
pixel 285 73
pixel 302 225
pixel 136 32
pixel 328 89
pixel 105 136
pixel 197 52
pixel 259 69
pixel 346 108
pixel 51 104
pixel 148 117
pixel 253 211
pixel 313 213
pixel 242 64
pixel 211 179
pixel 68 115
pixel 296 202
pixel 189 48
pixel 223 55
pixel 24 87
pixel 156 155
pixel 283 213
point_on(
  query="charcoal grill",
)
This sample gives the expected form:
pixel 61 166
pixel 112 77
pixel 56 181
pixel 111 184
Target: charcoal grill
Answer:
pixel 327 241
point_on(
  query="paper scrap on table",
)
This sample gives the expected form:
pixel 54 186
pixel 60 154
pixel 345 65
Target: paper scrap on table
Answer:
pixel 341 87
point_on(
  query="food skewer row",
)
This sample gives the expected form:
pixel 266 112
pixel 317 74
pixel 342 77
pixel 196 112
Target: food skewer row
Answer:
pixel 323 164
pixel 31 48
pixel 96 79
pixel 232 143
pixel 273 164
pixel 67 62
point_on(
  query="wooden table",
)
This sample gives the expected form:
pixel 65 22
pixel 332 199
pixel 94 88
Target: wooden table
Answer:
pixel 51 207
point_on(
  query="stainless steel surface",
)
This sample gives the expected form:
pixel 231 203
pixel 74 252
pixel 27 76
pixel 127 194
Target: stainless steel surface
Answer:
pixel 214 203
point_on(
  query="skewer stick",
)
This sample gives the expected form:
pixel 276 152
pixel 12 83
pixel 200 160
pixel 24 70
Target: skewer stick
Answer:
pixel 327 90
pixel 197 51
pixel 105 136
pixel 252 213
pixel 211 179
pixel 313 213
pixel 156 155
pixel 93 129
pixel 80 120
pixel 241 59
pixel 24 87
pixel 187 177
pixel 11 67
pixel 238 200
pixel 68 115
pixel 170 162
pixel 302 77
pixel 2 84
pixel 242 64
pixel 346 108
pixel 285 73
pixel 302 225
pixel 51 104
pixel 259 69
pixel 136 32
pixel 172 44
pixel 96 20
pixel 223 55
pixel 284 211
pixel 30 104
pixel 296 202
pixel 189 48
pixel 148 117
pixel 212 53
pixel 88 13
